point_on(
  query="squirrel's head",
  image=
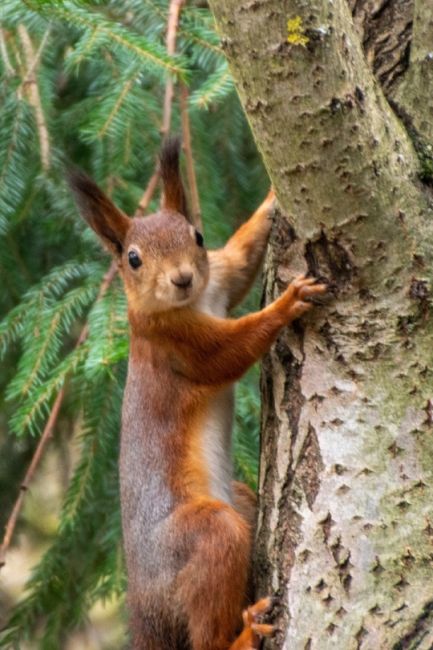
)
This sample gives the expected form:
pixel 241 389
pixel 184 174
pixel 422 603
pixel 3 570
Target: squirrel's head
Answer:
pixel 161 257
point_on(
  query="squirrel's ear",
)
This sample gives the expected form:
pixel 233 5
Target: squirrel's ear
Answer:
pixel 109 223
pixel 173 192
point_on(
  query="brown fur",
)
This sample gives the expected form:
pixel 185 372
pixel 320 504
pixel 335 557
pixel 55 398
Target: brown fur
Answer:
pixel 187 552
pixel 101 214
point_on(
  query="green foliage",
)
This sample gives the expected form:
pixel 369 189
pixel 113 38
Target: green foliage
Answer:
pixel 84 562
pixel 100 70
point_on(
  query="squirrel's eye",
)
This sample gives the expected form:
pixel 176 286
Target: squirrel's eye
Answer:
pixel 134 260
pixel 198 238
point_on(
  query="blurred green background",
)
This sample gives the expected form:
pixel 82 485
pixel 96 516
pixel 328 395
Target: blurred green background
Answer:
pixel 83 83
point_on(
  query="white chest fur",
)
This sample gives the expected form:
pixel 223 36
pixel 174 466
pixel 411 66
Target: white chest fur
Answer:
pixel 217 445
pixel 217 433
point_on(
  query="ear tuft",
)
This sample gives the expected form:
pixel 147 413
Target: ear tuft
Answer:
pixel 174 193
pixel 110 223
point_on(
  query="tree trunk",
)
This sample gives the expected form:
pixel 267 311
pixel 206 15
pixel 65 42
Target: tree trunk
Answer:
pixel 345 534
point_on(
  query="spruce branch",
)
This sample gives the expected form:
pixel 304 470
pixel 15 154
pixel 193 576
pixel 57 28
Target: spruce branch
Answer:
pixel 138 46
pixel 10 150
pixel 31 90
pixel 46 436
pixel 172 25
pixel 50 288
pixel 47 433
pixel 35 365
pixel 37 402
pixel 119 101
pixel 192 33
pixel 216 87
pixel 88 46
pixel 192 36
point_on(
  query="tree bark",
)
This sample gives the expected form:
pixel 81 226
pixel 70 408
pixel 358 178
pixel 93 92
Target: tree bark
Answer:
pixel 345 531
pixel 413 94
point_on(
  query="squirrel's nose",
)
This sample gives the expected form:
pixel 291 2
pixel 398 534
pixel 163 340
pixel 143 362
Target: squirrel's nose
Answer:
pixel 182 280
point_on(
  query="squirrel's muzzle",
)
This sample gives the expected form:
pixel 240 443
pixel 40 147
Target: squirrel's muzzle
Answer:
pixel 182 280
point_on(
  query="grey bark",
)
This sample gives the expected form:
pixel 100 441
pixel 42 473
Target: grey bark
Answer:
pixel 385 30
pixel 345 535
pixel 413 95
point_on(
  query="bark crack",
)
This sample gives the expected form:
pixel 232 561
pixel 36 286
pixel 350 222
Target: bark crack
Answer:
pixel 420 628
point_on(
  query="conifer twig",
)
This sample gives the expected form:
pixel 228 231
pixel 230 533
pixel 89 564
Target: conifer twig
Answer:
pixel 125 90
pixel 31 85
pixel 187 147
pixel 172 25
pixel 46 434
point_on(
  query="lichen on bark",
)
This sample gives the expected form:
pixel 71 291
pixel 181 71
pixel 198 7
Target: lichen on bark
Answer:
pixel 346 484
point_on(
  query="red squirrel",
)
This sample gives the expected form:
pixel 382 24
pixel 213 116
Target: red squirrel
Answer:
pixel 187 526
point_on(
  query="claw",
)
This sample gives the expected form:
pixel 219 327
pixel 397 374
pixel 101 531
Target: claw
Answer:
pixel 302 280
pixel 311 289
pixel 262 629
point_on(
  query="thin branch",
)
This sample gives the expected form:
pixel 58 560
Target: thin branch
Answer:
pixel 37 57
pixel 172 26
pixel 187 34
pixel 32 91
pixel 10 71
pixel 187 147
pixel 118 37
pixel 173 22
pixel 148 193
pixel 46 436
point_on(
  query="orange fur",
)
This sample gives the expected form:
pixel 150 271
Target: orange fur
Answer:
pixel 223 348
pixel 253 631
pixel 211 588
pixel 236 264
pixel 187 551
pixel 245 502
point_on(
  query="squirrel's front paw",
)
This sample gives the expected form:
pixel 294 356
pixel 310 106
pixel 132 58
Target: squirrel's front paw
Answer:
pixel 299 291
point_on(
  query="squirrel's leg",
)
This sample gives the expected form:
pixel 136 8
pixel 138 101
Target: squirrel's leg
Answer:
pixel 235 266
pixel 211 588
pixel 254 630
pixel 224 349
pixel 245 503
